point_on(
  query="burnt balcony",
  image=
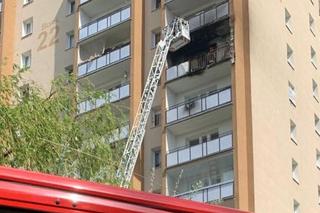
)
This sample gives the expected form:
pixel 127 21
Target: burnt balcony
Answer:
pixel 186 154
pixel 199 105
pixel 200 62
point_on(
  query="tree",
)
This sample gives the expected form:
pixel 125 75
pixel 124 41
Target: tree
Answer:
pixel 46 134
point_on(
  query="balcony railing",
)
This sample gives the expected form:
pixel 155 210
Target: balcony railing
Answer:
pixel 0 6
pixel 112 96
pixel 104 61
pixel 104 23
pixel 186 154
pixel 208 16
pixel 199 62
pixel 212 193
pixel 200 104
pixel 119 134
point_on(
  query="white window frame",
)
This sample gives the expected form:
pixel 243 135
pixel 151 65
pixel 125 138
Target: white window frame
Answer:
pixel 318 159
pixel 293 131
pixel 295 171
pixel 156 151
pixel 312 24
pixel 154 35
pixel 288 20
pixel 154 5
pixel 290 58
pixel 292 94
pixel 154 114
pixel 314 60
pixel 24 56
pixel 315 90
pixel 70 42
pixel 26 2
pixel 317 124
pixel 25 24
pixel 71 7
pixel 296 206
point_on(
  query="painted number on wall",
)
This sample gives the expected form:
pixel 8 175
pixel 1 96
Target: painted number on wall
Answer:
pixel 48 37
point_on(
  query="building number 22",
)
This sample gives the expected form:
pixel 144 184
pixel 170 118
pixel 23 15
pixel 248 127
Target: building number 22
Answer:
pixel 48 38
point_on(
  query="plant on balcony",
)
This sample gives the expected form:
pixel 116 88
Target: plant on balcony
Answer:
pixel 43 132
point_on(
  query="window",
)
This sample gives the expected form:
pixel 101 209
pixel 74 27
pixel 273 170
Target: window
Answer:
pixel 156 157
pixel 315 90
pixel 295 171
pixel 312 24
pixel 290 56
pixel 156 36
pixel 27 27
pixel 194 142
pixel 156 118
pixel 71 5
pixel 70 40
pixel 293 131
pixel 296 207
pixel 313 57
pixel 317 124
pixel 318 159
pixel 26 60
pixel 292 94
pixel 156 4
pixel 288 20
pixel 69 69
pixel 25 2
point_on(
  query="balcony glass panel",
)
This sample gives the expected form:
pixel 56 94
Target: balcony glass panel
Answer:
pixel 115 19
pixel 199 62
pixel 223 10
pixel 189 153
pixel 198 105
pixel 104 23
pixel 211 193
pixel 125 14
pixel 101 61
pixel 104 60
pixel 112 96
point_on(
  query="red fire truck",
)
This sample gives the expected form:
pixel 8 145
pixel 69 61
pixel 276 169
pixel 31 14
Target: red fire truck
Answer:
pixel 24 192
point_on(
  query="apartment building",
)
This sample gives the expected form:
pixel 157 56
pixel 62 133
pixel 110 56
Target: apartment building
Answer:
pixel 235 120
pixel 38 35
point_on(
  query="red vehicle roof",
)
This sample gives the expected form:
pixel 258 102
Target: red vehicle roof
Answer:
pixel 48 193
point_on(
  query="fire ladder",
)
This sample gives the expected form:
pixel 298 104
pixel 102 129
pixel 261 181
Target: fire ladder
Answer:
pixel 176 35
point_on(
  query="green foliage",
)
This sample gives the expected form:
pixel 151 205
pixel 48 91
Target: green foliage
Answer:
pixel 45 134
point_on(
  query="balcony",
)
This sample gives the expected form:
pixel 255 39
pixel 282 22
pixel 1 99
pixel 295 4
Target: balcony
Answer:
pixel 199 63
pixel 104 61
pixel 96 8
pixel 0 6
pixel 209 16
pixel 214 193
pixel 115 23
pixel 182 8
pixel 119 134
pixel 202 174
pixel 112 96
pixel 190 153
pixel 205 103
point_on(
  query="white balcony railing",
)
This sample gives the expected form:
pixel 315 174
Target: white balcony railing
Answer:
pixel 186 154
pixel 212 193
pixel 213 100
pixel 119 134
pixel 104 61
pixel 209 16
pixel 112 96
pixel 199 62
pixel 104 23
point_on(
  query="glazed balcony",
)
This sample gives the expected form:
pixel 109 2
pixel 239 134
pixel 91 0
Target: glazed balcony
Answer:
pixel 112 96
pixel 199 105
pixel 183 8
pixel 189 153
pixel 200 62
pixel 119 134
pixel 214 193
pixel 116 23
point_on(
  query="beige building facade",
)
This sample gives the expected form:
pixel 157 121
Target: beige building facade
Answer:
pixel 235 120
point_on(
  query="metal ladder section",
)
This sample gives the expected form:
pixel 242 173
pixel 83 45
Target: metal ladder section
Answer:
pixel 172 32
